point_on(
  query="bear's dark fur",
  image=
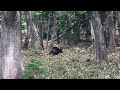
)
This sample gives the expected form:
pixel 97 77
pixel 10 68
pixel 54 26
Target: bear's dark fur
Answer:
pixel 55 51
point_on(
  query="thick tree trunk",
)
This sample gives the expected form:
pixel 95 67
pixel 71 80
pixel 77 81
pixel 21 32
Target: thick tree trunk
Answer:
pixel 101 53
pixel 11 62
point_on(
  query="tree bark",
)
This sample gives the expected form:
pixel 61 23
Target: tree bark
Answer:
pixel 11 62
pixel 93 38
pixel 40 32
pixel 101 53
pixel 118 21
pixel 1 53
pixel 21 28
pixel 117 27
pixel 57 35
pixel 111 31
pixel 48 30
pixel 54 30
pixel 32 33
pixel 26 42
pixel 67 30
pixel 77 29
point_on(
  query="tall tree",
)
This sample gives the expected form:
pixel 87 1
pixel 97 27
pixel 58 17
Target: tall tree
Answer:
pixel 26 42
pixel 48 31
pixel 111 30
pixel 40 32
pixel 93 38
pixel 101 53
pixel 117 27
pixel 21 27
pixel 0 47
pixel 10 59
pixel 118 21
pixel 58 30
pixel 68 26
pixel 32 32
pixel 53 30
pixel 77 28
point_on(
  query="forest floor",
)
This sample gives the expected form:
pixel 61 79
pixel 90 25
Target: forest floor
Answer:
pixel 74 63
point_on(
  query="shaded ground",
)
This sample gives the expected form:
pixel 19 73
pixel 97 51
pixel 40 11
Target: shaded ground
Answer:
pixel 75 63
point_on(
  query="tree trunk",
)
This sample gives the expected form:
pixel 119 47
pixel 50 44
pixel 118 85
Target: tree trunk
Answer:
pixel 20 27
pixel 111 31
pixel 11 62
pixel 48 30
pixel 116 33
pixel 40 32
pixel 101 53
pixel 53 29
pixel 57 35
pixel 32 33
pixel 76 30
pixel 0 47
pixel 118 20
pixel 93 38
pixel 26 42
pixel 67 30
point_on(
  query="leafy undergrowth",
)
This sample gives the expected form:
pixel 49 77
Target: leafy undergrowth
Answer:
pixel 33 66
pixel 73 63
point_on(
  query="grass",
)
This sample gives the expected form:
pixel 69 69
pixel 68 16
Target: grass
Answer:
pixel 33 68
pixel 71 64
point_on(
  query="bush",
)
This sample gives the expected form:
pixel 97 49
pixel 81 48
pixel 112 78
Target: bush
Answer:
pixel 33 69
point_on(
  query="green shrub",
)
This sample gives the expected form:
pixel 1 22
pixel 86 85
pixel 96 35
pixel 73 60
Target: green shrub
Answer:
pixel 34 69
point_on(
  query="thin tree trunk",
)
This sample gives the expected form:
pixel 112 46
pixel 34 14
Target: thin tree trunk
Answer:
pixel 68 26
pixel 26 42
pixel 11 62
pixel 111 31
pixel 116 28
pixel 57 35
pixel 32 33
pixel 76 30
pixel 48 29
pixel 1 53
pixel 57 32
pixel 118 20
pixel 54 30
pixel 21 28
pixel 28 24
pixel 93 38
pixel 40 32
